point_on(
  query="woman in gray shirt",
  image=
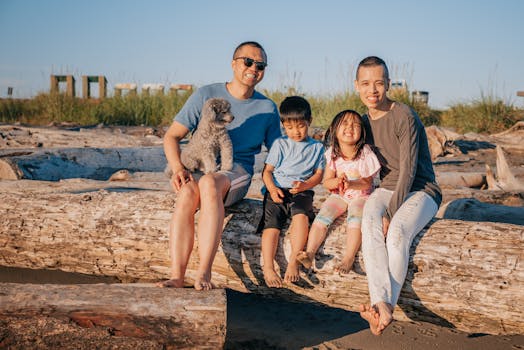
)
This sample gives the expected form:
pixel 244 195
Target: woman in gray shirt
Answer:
pixel 408 196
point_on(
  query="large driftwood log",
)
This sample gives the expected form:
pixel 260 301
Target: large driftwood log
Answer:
pixel 467 275
pixel 471 209
pixel 66 163
pixel 116 316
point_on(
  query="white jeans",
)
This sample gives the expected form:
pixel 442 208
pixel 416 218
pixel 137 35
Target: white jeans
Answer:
pixel 386 260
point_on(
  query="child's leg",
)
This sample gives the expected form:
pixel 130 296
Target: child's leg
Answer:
pixel 353 241
pixel 270 238
pixel 353 235
pixel 332 208
pixel 298 237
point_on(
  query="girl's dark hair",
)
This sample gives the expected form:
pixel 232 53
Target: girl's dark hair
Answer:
pixel 330 138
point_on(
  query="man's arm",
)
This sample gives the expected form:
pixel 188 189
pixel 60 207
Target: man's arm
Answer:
pixel 172 138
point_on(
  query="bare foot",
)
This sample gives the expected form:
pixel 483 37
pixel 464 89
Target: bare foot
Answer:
pixel 203 281
pixel 292 274
pixel 385 312
pixel 171 283
pixel 272 279
pixel 345 266
pixel 371 315
pixel 306 259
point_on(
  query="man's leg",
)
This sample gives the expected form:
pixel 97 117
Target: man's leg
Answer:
pixel 181 234
pixel 212 189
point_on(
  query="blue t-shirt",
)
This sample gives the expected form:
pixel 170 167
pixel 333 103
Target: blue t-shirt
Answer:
pixel 295 161
pixel 256 121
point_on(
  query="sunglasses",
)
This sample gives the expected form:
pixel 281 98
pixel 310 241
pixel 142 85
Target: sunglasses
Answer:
pixel 248 62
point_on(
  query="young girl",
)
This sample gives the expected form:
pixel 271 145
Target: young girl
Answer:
pixel 350 169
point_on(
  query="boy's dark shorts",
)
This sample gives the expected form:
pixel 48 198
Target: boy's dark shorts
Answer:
pixel 275 215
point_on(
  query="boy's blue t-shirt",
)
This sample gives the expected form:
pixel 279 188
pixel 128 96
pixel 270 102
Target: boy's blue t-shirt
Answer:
pixel 295 161
pixel 256 121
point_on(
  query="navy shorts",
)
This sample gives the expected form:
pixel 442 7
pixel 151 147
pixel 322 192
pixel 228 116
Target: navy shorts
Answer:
pixel 275 215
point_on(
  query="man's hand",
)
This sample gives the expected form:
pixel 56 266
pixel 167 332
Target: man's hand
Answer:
pixel 179 178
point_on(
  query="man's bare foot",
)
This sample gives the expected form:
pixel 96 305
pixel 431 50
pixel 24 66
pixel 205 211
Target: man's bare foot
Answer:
pixel 272 279
pixel 345 266
pixel 171 283
pixel 371 315
pixel 385 312
pixel 292 274
pixel 203 281
pixel 306 259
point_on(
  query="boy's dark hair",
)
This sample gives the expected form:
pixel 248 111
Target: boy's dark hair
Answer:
pixel 295 108
pixel 249 43
pixel 372 61
pixel 330 138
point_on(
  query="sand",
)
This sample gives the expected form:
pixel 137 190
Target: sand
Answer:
pixel 257 322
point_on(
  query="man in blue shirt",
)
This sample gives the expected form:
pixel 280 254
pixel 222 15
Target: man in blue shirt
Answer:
pixel 256 122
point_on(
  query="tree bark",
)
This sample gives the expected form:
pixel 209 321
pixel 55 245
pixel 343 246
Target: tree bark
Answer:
pixel 116 316
pixel 467 275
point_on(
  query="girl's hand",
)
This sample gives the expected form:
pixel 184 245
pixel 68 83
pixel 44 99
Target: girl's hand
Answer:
pixel 342 185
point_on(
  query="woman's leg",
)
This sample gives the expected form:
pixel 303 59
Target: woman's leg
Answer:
pixel 374 250
pixel 375 258
pixel 407 222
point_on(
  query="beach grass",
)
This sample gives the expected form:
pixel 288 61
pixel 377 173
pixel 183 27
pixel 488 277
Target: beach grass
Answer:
pixel 487 114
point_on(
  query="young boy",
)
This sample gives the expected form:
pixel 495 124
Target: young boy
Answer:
pixel 294 166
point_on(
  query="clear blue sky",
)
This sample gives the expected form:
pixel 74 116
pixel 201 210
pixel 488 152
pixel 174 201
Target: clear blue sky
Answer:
pixel 456 50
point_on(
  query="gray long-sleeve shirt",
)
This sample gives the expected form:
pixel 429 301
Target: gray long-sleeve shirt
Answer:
pixel 402 148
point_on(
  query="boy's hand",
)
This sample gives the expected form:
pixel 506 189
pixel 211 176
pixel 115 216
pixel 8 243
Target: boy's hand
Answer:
pixel 277 195
pixel 298 186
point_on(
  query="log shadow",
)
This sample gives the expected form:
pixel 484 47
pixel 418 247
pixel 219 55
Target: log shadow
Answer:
pixel 255 321
pixel 418 312
pixel 240 243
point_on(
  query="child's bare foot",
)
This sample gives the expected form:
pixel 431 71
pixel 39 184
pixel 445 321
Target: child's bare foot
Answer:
pixel 345 266
pixel 171 283
pixel 371 315
pixel 306 259
pixel 292 274
pixel 385 312
pixel 203 281
pixel 272 279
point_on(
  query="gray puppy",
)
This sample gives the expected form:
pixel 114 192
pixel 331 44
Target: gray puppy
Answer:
pixel 210 139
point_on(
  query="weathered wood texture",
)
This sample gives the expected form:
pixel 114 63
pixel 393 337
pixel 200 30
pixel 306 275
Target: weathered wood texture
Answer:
pixel 467 275
pixel 116 316
pixel 66 163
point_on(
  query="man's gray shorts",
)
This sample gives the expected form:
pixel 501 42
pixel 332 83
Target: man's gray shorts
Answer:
pixel 240 181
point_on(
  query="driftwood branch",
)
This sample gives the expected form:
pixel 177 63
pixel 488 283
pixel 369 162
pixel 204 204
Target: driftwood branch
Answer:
pixel 110 316
pixel 467 275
